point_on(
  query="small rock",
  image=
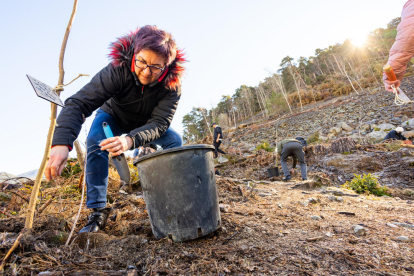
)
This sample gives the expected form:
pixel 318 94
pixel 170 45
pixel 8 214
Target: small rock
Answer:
pixel 376 134
pixel 332 198
pixel 248 230
pixel 314 239
pixel 385 127
pixel 404 225
pixel 345 127
pixel 337 193
pixel 334 130
pixel 403 239
pixel 346 213
pixel 391 225
pixel 409 202
pixel 222 159
pixel 312 200
pixel 264 194
pixel 314 217
pixel 279 205
pixel 224 208
pixel 329 234
pixel 359 230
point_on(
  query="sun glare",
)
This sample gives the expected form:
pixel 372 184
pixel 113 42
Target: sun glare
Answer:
pixel 359 41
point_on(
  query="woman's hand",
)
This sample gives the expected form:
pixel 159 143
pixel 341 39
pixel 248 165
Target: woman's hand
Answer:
pixel 388 84
pixel 57 161
pixel 116 145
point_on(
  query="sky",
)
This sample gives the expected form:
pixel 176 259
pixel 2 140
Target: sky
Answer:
pixel 228 44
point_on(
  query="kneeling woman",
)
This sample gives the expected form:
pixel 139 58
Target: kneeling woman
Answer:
pixel 136 94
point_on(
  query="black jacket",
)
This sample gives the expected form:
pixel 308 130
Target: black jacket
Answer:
pixel 144 112
pixel 217 131
pixel 394 135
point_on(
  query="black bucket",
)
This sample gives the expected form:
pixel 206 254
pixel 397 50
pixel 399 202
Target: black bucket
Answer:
pixel 179 188
pixel 273 172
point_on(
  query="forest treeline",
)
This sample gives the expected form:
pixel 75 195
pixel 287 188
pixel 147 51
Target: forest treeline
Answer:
pixel 336 70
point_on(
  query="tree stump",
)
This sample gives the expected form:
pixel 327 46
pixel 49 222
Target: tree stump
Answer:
pixel 315 150
pixel 342 145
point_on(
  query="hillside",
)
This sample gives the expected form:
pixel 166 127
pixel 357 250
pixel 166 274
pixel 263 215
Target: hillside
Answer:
pixel 314 227
pixel 365 117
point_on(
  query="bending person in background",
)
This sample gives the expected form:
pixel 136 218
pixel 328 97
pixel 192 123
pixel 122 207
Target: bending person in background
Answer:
pixel 136 94
pixel 291 147
pixel 395 134
pixel 403 49
pixel 217 138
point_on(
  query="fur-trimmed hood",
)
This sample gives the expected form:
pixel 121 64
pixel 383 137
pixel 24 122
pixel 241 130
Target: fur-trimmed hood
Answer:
pixel 122 51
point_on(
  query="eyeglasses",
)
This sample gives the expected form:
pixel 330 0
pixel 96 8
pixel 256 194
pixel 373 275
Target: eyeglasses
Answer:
pixel 143 65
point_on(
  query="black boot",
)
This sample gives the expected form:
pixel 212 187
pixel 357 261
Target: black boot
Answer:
pixel 287 178
pixel 97 220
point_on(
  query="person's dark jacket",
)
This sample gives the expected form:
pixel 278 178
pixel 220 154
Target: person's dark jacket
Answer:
pixel 394 135
pixel 217 131
pixel 144 112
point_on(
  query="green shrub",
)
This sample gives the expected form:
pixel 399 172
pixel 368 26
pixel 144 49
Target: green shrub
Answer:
pixel 393 146
pixel 366 184
pixel 70 191
pixel 266 146
pixel 72 168
pixel 314 138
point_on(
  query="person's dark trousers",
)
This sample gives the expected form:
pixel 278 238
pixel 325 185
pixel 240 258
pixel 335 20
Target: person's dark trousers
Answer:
pixel 293 149
pixel 97 161
pixel 216 149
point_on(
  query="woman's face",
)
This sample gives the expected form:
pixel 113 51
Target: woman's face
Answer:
pixel 152 63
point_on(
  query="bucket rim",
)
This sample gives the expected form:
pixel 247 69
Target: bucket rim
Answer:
pixel 161 152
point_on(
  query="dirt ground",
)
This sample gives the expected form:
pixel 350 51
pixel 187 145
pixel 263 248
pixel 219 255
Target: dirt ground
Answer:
pixel 268 227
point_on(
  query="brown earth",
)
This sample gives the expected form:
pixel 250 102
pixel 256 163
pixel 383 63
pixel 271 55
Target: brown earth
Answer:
pixel 266 229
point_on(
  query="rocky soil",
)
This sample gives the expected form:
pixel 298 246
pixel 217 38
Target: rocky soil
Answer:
pixel 268 227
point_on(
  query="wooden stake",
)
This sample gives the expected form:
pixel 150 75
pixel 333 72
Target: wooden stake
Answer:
pixel 79 153
pixel 36 187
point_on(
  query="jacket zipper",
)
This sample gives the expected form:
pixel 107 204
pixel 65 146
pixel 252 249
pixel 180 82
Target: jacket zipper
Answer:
pixel 142 91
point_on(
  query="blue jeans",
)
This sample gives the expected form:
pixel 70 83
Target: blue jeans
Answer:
pixel 97 160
